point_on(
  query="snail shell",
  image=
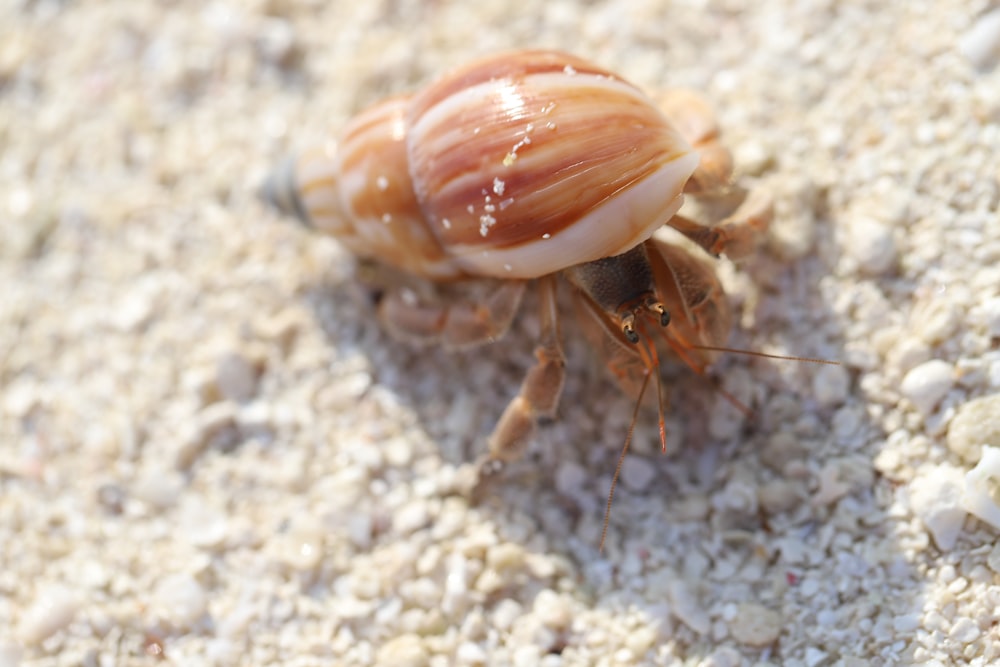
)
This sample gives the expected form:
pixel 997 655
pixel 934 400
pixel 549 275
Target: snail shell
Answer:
pixel 517 165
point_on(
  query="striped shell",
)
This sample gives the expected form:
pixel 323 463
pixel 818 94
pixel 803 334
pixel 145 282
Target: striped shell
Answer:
pixel 516 166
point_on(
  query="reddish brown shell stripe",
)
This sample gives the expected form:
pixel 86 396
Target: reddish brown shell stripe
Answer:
pixel 508 160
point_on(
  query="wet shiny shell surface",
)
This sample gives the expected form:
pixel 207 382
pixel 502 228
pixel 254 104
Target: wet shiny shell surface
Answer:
pixel 515 166
pixel 527 163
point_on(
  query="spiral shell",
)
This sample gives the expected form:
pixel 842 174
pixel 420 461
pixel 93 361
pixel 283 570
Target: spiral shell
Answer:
pixel 514 166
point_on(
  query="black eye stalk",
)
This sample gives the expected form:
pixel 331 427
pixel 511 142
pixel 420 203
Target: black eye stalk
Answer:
pixel 628 327
pixel 659 309
pixel 628 319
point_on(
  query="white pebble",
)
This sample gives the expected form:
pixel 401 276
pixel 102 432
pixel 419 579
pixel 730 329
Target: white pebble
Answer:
pixel 505 557
pixel 692 507
pixel 927 384
pixel 365 585
pixel 470 654
pixel 992 371
pixel 936 498
pixel 906 623
pixel 830 385
pixel 359 530
pixel 979 485
pixel 276 41
pixel 235 623
pixel 738 497
pixel 398 452
pixel 222 652
pixel 10 655
pixel 993 560
pixel 506 613
pixel 964 631
pixel 133 311
pixel 411 517
pixel 793 230
pixel 236 377
pixel 553 610
pixel 725 656
pixel 158 488
pixel 831 135
pixel 793 550
pixel 908 353
pixel 637 472
pixel 304 544
pixel 781 448
pixel 937 321
pixel 211 426
pixel 779 495
pixel 831 487
pixel 423 592
pixel 450 520
pixel 571 478
pixel 204 527
pixel 353 386
pixel 977 423
pixel 179 600
pixel 641 640
pixel 755 625
pixel 754 157
pixel 256 417
pixel 687 609
pixel 848 423
pixel 456 584
pixel 489 582
pixel 981 43
pixel 872 245
pixel 727 421
pixel 52 610
pixel 527 656
pixel 389 614
pixel 622 656
pixel 815 657
pixel 20 397
pixel 403 651
pixel 989 311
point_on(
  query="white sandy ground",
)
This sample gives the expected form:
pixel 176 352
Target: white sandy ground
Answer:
pixel 208 448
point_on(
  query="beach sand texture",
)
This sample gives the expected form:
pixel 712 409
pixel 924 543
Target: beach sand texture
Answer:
pixel 210 452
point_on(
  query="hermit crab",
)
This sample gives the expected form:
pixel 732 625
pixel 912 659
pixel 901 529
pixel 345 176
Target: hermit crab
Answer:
pixel 535 167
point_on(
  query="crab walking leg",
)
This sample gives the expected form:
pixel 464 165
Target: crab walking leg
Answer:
pixel 452 325
pixel 714 171
pixel 540 389
pixel 695 119
pixel 738 234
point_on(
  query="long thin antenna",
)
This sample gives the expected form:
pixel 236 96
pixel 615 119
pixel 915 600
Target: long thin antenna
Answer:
pixel 751 353
pixel 659 407
pixel 652 361
pixel 621 458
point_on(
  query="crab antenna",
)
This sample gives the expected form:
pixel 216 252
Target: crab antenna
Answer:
pixel 621 461
pixel 751 353
pixel 653 366
pixel 660 410
pixel 680 348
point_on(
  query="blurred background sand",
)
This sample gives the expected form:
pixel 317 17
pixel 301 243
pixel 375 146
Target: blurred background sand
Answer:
pixel 209 452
